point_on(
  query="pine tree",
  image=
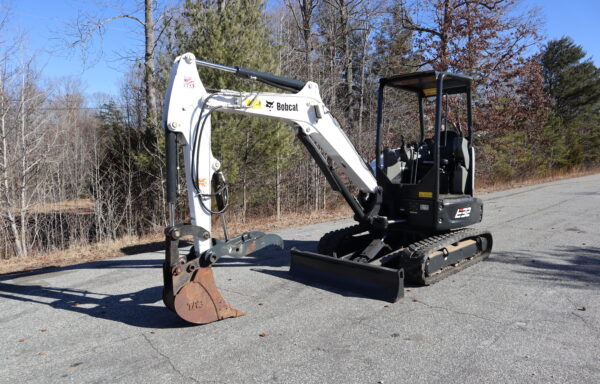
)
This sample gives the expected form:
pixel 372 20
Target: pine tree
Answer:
pixel 572 82
pixel 252 150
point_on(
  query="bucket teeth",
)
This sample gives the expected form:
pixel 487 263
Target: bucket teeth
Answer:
pixel 199 301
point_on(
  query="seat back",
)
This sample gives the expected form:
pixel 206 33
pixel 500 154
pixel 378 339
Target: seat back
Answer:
pixel 455 149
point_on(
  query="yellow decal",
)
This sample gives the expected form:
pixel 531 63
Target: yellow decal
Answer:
pixel 428 92
pixel 202 183
pixel 426 194
pixel 253 103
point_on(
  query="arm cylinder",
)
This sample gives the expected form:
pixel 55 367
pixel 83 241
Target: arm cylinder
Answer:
pixel 267 78
pixel 171 149
pixel 263 77
pixel 220 67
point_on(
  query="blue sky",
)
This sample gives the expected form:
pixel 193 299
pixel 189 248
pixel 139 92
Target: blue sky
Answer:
pixel 44 23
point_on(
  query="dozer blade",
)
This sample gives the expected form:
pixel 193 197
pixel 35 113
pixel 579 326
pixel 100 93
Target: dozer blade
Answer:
pixel 200 302
pixel 369 280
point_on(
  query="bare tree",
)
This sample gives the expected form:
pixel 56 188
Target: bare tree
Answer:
pixel 87 26
pixel 26 147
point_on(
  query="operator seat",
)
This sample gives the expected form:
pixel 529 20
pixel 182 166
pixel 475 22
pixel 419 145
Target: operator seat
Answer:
pixel 455 149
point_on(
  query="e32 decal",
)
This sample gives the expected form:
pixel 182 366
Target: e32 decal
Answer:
pixel 462 213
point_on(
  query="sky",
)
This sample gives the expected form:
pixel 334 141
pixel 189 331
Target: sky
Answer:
pixel 45 24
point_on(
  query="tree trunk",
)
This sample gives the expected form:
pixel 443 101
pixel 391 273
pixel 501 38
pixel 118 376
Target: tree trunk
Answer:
pixel 245 179
pixel 23 176
pixel 149 63
pixel 443 54
pixel 278 187
pixel 347 64
pixel 307 8
pixel 363 66
pixel 316 178
pixel 6 200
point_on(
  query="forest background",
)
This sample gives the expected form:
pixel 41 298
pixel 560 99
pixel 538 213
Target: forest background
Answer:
pixel 75 171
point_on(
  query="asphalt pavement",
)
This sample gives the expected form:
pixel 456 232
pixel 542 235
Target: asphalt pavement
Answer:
pixel 528 314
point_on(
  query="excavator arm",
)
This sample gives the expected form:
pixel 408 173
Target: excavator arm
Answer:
pixel 189 283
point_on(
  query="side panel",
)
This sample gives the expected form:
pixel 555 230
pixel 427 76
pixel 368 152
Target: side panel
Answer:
pixel 459 213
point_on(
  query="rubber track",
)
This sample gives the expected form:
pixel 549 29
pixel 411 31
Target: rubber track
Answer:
pixel 329 241
pixel 414 256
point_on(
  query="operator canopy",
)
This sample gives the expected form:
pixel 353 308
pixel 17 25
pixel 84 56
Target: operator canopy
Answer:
pixel 425 83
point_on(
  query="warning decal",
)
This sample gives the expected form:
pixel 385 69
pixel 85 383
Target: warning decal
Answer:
pixel 253 103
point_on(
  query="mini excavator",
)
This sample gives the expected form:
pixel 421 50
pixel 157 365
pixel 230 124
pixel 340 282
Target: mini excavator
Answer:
pixel 412 203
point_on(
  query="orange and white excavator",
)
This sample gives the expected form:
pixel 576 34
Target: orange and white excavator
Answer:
pixel 412 206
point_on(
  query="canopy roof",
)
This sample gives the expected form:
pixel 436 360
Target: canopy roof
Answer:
pixel 425 83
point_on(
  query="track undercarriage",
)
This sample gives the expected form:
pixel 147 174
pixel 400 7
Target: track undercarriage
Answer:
pixel 384 261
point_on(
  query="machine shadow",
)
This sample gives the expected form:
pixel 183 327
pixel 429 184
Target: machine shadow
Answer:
pixel 155 246
pixel 276 257
pixel 268 257
pixel 121 262
pixel 109 263
pixel 568 265
pixel 133 308
pixel 130 308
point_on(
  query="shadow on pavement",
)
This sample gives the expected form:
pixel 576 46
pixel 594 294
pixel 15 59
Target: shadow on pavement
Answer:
pixel 109 263
pixel 133 308
pixel 311 283
pixel 270 256
pixel 156 246
pixel 567 264
pixel 129 308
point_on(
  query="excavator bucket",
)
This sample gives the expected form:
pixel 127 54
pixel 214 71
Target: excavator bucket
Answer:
pixel 200 302
pixel 189 283
pixel 365 279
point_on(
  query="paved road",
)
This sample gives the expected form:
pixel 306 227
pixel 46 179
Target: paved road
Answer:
pixel 517 317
